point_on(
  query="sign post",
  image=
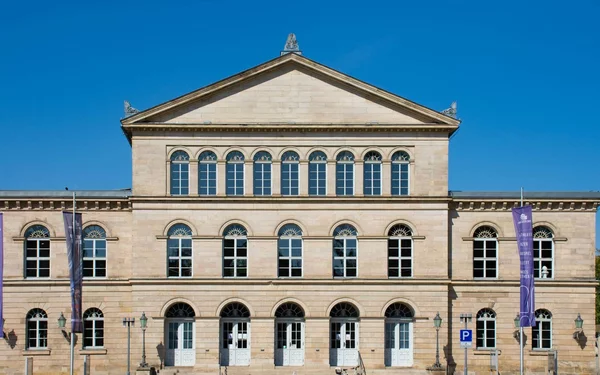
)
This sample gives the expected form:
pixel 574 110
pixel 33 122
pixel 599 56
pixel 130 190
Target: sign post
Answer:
pixel 466 337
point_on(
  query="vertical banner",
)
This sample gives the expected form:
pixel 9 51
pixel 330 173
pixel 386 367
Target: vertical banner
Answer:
pixel 75 268
pixel 1 276
pixel 522 220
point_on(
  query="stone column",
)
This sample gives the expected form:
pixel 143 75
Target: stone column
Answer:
pixel 276 178
pixel 168 182
pixel 221 178
pixel 386 178
pixel 248 178
pixel 193 177
pixel 303 178
pixel 358 178
pixel 331 178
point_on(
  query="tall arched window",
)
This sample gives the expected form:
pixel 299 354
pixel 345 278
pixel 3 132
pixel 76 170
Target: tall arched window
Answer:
pixel 289 342
pixel 372 173
pixel 37 329
pixel 235 173
pixel 179 251
pixel 93 329
pixel 180 329
pixel 543 253
pixel 398 335
pixel 207 173
pixel 345 252
pixel 343 335
pixel 486 329
pixel 400 250
pixel 37 252
pixel 180 173
pixel 235 335
pixel 485 257
pixel 542 332
pixel 290 166
pixel 94 251
pixel 235 251
pixel 262 173
pixel 290 251
pixel 400 173
pixel 317 173
pixel 344 173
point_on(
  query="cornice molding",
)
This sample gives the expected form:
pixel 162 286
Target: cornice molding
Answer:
pixel 53 204
pixel 567 205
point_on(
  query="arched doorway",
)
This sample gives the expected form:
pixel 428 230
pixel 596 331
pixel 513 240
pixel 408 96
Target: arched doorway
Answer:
pixel 180 334
pixel 289 335
pixel 235 335
pixel 398 335
pixel 343 335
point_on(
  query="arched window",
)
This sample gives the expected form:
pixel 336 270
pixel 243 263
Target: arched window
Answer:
pixel 543 253
pixel 180 310
pixel 400 173
pixel 398 335
pixel 398 311
pixel 235 310
pixel 37 252
pixel 485 257
pixel 317 173
pixel 289 310
pixel 179 251
pixel 290 165
pixel 542 332
pixel 262 173
pixel 235 173
pixel 207 173
pixel 37 329
pixel 344 171
pixel 344 310
pixel 180 173
pixel 289 248
pixel 235 251
pixel 400 250
pixel 486 329
pixel 372 173
pixel 345 251
pixel 93 329
pixel 94 251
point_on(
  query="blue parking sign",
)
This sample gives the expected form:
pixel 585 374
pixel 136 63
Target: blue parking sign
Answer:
pixel 466 338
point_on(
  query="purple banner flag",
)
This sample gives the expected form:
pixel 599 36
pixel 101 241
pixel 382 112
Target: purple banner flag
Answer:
pixel 75 268
pixel 1 276
pixel 522 218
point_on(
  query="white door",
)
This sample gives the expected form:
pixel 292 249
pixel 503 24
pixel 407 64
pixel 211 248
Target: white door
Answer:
pixel 235 338
pixel 343 343
pixel 289 349
pixel 398 343
pixel 180 344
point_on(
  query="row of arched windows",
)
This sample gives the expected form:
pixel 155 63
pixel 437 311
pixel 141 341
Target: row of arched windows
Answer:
pixel 486 329
pixel 37 329
pixel 485 252
pixel 290 173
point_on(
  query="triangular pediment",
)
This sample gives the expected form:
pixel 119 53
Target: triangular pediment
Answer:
pixel 290 90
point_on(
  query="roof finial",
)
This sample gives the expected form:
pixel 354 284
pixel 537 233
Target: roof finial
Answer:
pixel 129 110
pixel 450 111
pixel 291 45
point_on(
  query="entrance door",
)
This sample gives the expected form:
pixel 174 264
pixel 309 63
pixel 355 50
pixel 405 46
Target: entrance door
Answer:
pixel 344 343
pixel 289 350
pixel 180 344
pixel 398 343
pixel 235 348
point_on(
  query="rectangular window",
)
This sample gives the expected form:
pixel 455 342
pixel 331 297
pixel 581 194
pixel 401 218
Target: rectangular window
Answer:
pixel 344 257
pixel 289 179
pixel 179 257
pixel 290 257
pixel 400 257
pixel 37 262
pixel 372 179
pixel 400 179
pixel 485 260
pixel 235 178
pixel 543 258
pixel 317 178
pixel 262 178
pixel 207 176
pixel 345 179
pixel 94 258
pixel 179 178
pixel 235 257
pixel 542 335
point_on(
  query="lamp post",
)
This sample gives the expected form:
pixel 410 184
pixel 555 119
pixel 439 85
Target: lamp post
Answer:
pixel 143 322
pixel 61 324
pixel 437 322
pixel 128 322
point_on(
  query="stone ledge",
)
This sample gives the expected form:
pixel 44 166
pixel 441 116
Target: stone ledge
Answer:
pixel 35 352
pixel 93 352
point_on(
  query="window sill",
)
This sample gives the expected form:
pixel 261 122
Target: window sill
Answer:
pixel 35 352
pixel 540 352
pixel 484 351
pixel 98 351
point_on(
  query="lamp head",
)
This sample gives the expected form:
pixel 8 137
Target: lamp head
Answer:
pixel 517 321
pixel 62 321
pixel 437 321
pixel 143 320
pixel 579 322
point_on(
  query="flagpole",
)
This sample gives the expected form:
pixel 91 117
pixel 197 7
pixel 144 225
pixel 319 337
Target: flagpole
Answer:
pixel 520 325
pixel 73 312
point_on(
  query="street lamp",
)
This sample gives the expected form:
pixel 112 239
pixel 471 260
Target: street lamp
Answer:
pixel 62 321
pixel 143 323
pixel 128 322
pixel 578 327
pixel 437 323
pixel 517 326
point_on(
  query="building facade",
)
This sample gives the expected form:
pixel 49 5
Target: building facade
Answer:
pixel 293 219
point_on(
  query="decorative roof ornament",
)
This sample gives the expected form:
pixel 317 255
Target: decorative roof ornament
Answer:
pixel 450 111
pixel 291 45
pixel 129 110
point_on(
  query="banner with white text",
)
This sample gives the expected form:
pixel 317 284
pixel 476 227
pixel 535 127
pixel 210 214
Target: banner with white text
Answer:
pixel 523 221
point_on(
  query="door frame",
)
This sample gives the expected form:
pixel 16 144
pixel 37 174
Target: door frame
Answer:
pixel 343 322
pixel 248 339
pixel 287 321
pixel 395 322
pixel 166 334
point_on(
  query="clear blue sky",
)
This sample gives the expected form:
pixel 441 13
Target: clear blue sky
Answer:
pixel 525 75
